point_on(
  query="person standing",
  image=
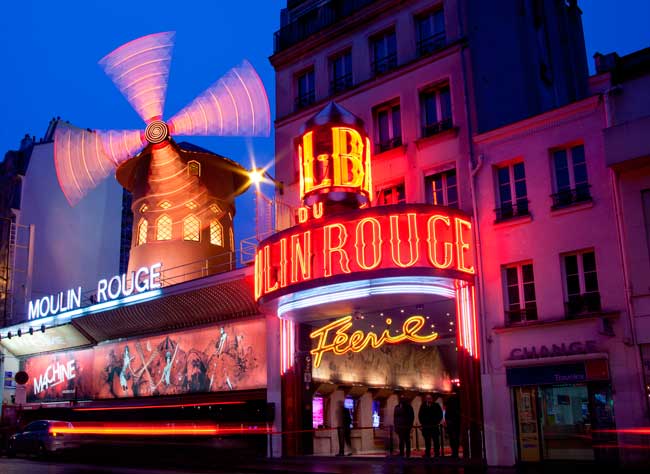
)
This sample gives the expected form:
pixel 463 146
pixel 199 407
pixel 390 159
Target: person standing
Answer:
pixel 452 421
pixel 403 418
pixel 344 429
pixel 430 416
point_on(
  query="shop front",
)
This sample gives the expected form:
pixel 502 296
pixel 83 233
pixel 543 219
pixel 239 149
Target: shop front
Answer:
pixel 373 304
pixel 563 405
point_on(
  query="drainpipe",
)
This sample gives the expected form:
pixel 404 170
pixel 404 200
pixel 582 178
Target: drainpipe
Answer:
pixel 620 231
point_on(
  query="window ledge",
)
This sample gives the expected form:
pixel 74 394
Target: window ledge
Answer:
pixel 391 153
pixel 436 137
pixel 513 221
pixel 555 322
pixel 575 207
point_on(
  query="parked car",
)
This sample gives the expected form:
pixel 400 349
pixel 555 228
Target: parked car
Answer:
pixel 40 438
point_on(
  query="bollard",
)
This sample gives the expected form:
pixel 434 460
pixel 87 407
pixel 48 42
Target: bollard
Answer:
pixel 390 440
pixel 469 446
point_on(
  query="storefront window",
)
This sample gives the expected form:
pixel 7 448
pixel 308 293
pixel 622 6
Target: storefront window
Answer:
pixel 318 415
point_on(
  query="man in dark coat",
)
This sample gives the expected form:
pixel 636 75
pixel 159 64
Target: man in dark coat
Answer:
pixel 344 429
pixel 430 416
pixel 403 418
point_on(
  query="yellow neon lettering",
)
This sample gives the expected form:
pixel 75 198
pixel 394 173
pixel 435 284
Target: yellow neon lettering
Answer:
pixel 362 242
pixel 347 153
pixel 301 257
pixel 461 246
pixel 333 337
pixel 329 249
pixel 396 241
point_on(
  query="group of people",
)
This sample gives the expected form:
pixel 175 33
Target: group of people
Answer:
pixel 430 416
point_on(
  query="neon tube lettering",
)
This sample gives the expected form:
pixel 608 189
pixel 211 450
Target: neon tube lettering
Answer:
pixel 396 241
pixel 432 238
pixel 329 249
pixel 301 257
pixel 268 288
pixel 462 247
pixel 362 242
pixel 333 337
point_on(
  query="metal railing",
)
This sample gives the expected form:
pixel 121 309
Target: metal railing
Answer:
pixel 516 316
pixel 341 83
pixel 583 304
pixel 430 129
pixel 512 210
pixel 305 100
pixel 388 144
pixel 385 64
pixel 426 46
pixel 568 197
pixel 315 20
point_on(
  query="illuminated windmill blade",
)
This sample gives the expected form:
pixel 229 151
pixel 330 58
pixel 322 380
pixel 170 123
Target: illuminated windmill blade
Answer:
pixel 80 160
pixel 140 70
pixel 234 105
pixel 121 145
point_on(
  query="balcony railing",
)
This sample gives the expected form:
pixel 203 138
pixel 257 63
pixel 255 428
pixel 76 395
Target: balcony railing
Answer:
pixel 512 210
pixel 437 127
pixel 568 197
pixel 385 64
pixel 305 100
pixel 341 83
pixel 579 305
pixel 426 46
pixel 388 144
pixel 315 20
pixel 521 315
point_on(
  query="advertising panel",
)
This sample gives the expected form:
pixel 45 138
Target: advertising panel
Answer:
pixel 219 358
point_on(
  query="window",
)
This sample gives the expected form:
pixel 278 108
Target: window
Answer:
pixel 341 72
pixel 216 233
pixel 193 168
pixel 384 52
pixel 581 283
pixel 191 205
pixel 430 32
pixel 143 227
pixel 435 107
pixel 165 205
pixel 388 124
pixel 441 189
pixel 305 90
pixel 520 293
pixel 511 190
pixel 164 228
pixel 570 172
pixel 391 195
pixel 232 239
pixel 144 208
pixel 214 207
pixel 192 229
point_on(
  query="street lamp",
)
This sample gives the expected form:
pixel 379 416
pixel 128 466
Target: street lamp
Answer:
pixel 264 206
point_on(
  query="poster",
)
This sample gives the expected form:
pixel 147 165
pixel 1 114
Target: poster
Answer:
pixel 226 357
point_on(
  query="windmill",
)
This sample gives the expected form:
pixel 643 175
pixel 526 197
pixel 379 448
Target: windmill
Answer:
pixel 183 195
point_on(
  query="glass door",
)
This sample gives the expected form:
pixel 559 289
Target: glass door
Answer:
pixel 566 422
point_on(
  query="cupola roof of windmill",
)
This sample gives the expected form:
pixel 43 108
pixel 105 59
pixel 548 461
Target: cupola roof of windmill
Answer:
pixel 334 114
pixel 235 105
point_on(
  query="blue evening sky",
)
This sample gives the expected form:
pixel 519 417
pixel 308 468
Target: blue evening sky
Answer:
pixel 49 52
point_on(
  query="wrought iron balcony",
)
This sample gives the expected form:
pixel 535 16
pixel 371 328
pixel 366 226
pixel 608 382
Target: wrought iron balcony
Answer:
pixel 315 20
pixel 426 46
pixel 305 100
pixel 388 144
pixel 512 210
pixel 437 127
pixel 579 305
pixel 568 197
pixel 521 315
pixel 385 64
pixel 341 83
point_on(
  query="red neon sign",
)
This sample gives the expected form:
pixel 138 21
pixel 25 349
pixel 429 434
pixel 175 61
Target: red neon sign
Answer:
pixel 418 239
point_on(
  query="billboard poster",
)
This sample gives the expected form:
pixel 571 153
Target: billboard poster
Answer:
pixel 59 376
pixel 230 356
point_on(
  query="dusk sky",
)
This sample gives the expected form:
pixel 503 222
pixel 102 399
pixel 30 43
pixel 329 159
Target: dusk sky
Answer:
pixel 49 53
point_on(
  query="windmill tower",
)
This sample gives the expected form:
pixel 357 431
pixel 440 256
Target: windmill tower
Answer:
pixel 183 196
